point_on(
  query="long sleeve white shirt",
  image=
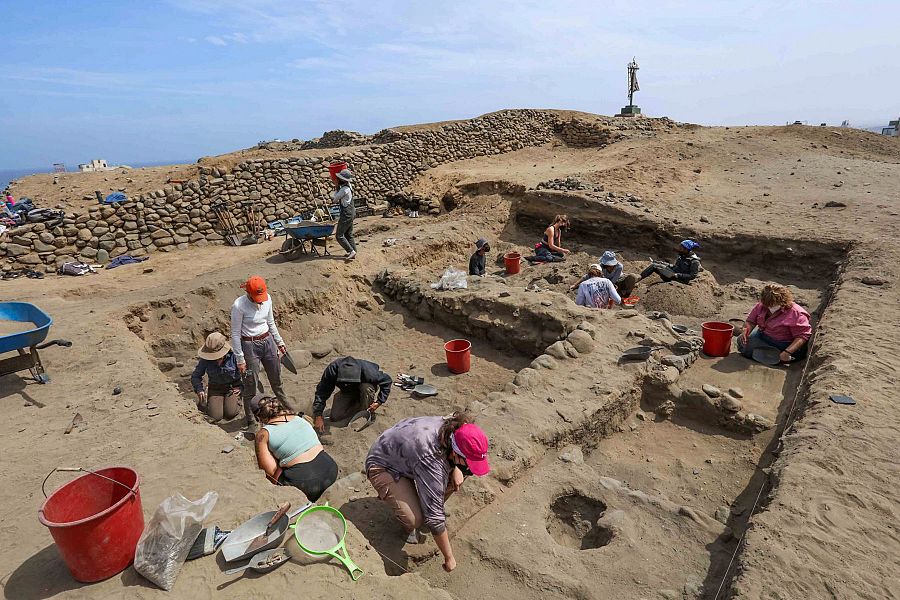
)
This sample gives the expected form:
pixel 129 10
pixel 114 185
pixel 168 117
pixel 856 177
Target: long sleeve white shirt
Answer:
pixel 250 319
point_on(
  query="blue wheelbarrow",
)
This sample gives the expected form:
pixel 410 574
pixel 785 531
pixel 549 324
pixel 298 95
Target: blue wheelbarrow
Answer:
pixel 299 233
pixel 28 342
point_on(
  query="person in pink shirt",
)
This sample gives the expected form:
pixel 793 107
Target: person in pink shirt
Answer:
pixel 776 322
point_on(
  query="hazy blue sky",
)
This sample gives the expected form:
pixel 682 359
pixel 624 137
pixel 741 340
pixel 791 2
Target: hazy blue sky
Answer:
pixel 133 80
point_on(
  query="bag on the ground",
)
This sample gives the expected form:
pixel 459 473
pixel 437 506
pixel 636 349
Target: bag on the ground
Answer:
pixel 168 537
pixel 75 268
pixel 50 216
pixel 452 279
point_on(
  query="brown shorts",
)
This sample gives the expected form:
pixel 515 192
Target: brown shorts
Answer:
pixel 400 495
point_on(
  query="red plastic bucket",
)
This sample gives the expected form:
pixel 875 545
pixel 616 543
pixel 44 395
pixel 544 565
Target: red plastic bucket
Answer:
pixel 96 523
pixel 717 338
pixel 335 168
pixel 459 357
pixel 513 262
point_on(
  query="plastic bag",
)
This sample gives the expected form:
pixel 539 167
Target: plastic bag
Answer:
pixel 452 279
pixel 168 537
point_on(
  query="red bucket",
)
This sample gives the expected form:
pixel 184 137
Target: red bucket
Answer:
pixel 335 168
pixel 513 262
pixel 459 357
pixel 95 522
pixel 717 338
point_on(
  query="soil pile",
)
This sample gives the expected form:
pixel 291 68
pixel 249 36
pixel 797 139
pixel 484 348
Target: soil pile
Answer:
pixel 701 298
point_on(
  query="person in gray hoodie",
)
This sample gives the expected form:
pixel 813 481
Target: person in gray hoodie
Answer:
pixel 343 197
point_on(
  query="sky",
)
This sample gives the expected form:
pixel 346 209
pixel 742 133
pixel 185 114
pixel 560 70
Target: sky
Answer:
pixel 143 80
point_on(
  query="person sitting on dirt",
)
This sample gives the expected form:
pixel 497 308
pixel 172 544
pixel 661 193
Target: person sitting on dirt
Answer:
pixel 612 270
pixel 221 399
pixel 256 342
pixel 685 268
pixel 343 197
pixel 288 449
pixel 779 323
pixel 550 247
pixel 597 291
pixel 362 384
pixel 477 261
pixel 418 463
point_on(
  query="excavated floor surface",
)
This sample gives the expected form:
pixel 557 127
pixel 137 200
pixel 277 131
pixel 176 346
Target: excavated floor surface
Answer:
pixel 592 494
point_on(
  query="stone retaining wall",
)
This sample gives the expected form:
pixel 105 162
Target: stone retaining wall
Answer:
pixel 179 216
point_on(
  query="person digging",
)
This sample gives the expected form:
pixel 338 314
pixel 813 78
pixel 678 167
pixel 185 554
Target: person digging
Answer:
pixel 362 385
pixel 256 343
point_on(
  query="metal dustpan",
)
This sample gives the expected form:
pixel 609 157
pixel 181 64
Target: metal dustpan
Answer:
pixel 363 419
pixel 767 356
pixel 265 561
pixel 237 544
pixel 425 390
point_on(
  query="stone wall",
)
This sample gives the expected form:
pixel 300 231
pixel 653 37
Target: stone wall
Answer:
pixel 178 216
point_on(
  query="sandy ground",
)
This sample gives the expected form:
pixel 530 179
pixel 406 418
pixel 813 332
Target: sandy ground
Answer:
pixel 653 492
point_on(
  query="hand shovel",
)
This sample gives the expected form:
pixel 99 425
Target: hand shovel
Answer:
pixel 288 362
pixel 263 538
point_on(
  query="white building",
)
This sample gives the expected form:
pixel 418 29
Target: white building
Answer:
pixel 893 128
pixel 98 164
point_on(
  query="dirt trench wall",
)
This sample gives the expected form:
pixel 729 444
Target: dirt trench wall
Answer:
pixel 179 215
pixel 511 319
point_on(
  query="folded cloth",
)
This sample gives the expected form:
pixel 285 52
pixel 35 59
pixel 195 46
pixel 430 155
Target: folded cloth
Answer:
pixel 125 260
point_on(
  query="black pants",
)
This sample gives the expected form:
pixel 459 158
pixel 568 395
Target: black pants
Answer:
pixel 313 477
pixel 665 272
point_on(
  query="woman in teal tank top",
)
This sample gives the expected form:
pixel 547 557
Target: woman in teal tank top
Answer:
pixel 289 451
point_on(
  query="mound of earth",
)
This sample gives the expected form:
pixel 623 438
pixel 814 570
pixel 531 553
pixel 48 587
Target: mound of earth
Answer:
pixel 700 298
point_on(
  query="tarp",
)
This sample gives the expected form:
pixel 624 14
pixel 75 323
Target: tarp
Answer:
pixel 115 197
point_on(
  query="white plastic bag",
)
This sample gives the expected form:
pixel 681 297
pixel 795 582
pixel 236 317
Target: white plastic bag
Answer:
pixel 452 279
pixel 168 537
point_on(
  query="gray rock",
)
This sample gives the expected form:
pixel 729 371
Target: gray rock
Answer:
pixel 557 350
pixel 722 514
pixel 582 341
pixel 166 364
pixel 544 361
pixel 729 403
pixel 711 390
pixel 16 250
pixel 85 235
pixel 872 280
pixel 102 256
pixel 321 350
pixel 736 392
pixel 626 313
pixel 573 455
pixel 527 378
pixel 673 360
pixel 570 349
pixel 30 259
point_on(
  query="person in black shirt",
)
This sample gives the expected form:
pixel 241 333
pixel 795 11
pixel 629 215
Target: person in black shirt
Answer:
pixel 685 268
pixel 362 385
pixel 477 262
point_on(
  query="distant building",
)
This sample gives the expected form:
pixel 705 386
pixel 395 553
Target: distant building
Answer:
pixel 893 128
pixel 98 164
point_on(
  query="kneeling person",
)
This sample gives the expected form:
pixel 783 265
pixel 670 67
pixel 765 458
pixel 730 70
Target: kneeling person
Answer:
pixel 222 396
pixel 362 385
pixel 597 291
pixel 289 451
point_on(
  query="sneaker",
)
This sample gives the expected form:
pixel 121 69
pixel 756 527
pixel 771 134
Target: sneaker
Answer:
pixel 416 537
pixel 352 255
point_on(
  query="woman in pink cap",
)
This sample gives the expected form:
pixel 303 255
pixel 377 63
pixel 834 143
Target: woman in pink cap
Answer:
pixel 415 466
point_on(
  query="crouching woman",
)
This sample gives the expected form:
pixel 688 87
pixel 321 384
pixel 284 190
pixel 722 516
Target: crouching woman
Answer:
pixel 289 451
pixel 418 463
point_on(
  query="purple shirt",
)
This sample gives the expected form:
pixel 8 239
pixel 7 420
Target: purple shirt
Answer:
pixel 785 325
pixel 411 449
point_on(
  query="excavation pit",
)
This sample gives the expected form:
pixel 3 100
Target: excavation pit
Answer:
pixel 573 522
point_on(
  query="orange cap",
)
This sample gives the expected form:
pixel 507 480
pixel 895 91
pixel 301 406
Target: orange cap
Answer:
pixel 256 289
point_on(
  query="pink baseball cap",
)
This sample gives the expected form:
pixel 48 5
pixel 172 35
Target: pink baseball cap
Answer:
pixel 471 442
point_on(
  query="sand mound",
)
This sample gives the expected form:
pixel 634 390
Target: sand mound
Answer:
pixel 701 298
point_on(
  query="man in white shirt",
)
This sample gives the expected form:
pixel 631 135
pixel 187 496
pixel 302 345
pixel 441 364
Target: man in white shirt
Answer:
pixel 255 341
pixel 597 291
